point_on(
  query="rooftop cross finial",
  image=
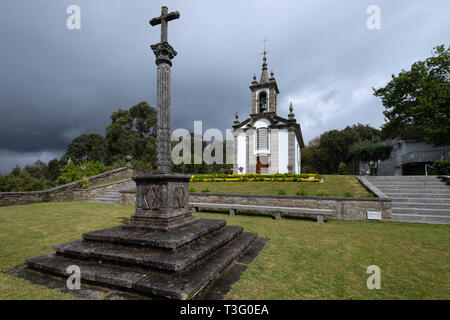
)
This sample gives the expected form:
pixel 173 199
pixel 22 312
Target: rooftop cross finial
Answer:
pixel 265 40
pixel 163 19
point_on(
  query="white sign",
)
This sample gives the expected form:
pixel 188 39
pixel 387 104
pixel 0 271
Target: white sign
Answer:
pixel 373 215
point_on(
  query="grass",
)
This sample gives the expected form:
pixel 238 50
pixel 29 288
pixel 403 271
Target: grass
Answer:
pixel 332 185
pixel 302 260
pixel 32 230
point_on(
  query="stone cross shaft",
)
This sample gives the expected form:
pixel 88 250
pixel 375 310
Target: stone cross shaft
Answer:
pixel 164 54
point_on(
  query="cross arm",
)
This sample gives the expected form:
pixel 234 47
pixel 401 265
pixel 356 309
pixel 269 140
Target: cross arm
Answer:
pixel 168 17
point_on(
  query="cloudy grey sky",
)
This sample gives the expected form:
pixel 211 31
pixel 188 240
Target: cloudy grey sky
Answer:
pixel 56 84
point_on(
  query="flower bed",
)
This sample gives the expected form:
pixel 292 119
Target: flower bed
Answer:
pixel 279 177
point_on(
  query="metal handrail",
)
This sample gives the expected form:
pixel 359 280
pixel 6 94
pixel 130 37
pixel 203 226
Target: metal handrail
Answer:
pixel 423 156
pixel 426 166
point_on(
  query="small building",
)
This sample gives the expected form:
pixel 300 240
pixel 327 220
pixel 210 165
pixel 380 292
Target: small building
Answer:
pixel 411 155
pixel 266 142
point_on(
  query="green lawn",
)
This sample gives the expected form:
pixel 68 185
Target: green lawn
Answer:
pixel 332 185
pixel 302 260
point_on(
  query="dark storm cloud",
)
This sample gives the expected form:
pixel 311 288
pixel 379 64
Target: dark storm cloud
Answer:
pixel 57 83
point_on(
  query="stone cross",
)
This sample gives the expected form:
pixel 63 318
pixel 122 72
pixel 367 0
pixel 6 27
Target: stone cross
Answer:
pixel 163 19
pixel 164 54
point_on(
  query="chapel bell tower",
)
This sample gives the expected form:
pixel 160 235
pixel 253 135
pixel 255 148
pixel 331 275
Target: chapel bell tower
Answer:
pixel 264 92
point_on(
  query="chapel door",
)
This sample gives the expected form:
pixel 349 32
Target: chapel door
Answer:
pixel 262 164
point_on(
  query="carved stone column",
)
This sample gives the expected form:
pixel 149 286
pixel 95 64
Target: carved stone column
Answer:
pixel 164 54
pixel 162 198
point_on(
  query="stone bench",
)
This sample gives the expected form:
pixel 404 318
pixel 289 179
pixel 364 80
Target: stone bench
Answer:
pixel 277 211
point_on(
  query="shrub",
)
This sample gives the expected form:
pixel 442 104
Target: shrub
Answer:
pixel 23 181
pixel 279 177
pixel 348 194
pixel 84 182
pixel 192 190
pixel 442 167
pixel 342 168
pixel 72 172
pixel 206 190
pixel 282 192
pixel 301 193
pixel 322 194
pixel 309 169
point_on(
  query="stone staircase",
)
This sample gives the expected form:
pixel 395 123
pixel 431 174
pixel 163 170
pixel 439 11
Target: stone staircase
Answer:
pixel 416 198
pixel 113 196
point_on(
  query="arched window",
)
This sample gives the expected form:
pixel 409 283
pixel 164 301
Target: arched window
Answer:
pixel 262 102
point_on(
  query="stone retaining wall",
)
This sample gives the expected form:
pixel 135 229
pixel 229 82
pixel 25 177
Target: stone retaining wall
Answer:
pixel 65 192
pixel 344 208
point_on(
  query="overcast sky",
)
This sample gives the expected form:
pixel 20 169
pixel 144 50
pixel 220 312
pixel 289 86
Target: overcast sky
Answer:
pixel 56 83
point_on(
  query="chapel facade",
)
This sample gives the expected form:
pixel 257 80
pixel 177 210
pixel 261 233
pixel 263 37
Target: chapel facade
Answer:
pixel 266 143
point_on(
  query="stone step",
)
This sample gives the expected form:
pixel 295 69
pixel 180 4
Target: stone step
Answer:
pixel 159 240
pixel 104 201
pixel 419 188
pixel 109 193
pixel 106 197
pixel 404 183
pixel 402 177
pixel 417 195
pixel 144 281
pixel 421 200
pixel 428 212
pixel 164 261
pixel 421 218
pixel 421 205
pixel 443 193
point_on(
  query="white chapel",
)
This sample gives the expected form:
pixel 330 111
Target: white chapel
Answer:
pixel 265 142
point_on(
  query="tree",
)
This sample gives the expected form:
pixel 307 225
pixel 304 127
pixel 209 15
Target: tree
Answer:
pixel 133 132
pixel 372 151
pixel 54 169
pixel 37 169
pixel 88 147
pixel 324 154
pixel 203 167
pixel 312 159
pixel 420 98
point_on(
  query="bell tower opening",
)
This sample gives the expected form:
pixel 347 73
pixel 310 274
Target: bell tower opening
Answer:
pixel 262 102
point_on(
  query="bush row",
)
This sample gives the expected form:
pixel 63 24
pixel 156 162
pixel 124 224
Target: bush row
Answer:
pixel 279 177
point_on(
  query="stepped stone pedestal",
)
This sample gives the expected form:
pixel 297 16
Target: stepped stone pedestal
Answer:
pixel 162 251
pixel 168 264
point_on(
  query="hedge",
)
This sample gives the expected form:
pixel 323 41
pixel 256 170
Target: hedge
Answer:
pixel 279 177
